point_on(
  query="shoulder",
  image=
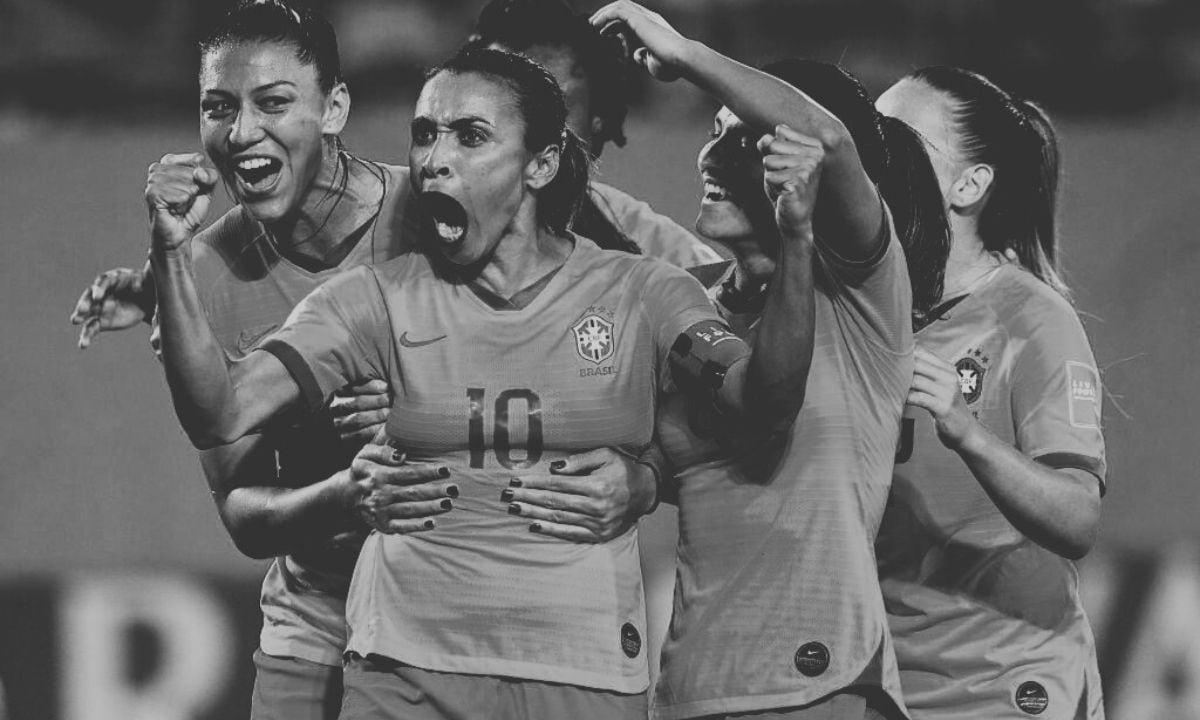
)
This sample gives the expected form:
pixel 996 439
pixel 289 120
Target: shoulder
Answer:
pixel 656 234
pixel 227 236
pixel 1029 306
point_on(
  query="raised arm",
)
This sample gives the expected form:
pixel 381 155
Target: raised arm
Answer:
pixel 848 214
pixel 217 400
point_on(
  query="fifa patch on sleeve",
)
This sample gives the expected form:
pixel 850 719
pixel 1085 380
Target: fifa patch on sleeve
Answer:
pixel 1083 395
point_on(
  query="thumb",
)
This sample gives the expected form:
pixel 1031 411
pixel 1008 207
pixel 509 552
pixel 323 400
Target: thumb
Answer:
pixel 582 463
pixel 206 177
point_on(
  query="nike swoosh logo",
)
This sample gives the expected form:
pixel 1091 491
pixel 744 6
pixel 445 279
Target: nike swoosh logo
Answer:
pixel 405 342
pixel 248 339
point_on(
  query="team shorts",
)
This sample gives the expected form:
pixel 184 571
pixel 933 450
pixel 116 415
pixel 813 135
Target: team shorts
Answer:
pixel 288 688
pixel 378 688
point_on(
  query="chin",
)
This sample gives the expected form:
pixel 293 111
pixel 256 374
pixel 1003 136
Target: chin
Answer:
pixel 266 210
pixel 723 226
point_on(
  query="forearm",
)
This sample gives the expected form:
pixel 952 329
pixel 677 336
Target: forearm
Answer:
pixel 1057 509
pixel 266 521
pixel 777 372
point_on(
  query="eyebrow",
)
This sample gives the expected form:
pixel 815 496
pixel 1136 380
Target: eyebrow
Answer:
pixel 260 88
pixel 456 123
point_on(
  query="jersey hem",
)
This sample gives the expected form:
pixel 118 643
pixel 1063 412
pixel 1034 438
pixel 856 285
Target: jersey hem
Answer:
pixel 331 657
pixel 502 667
pixel 760 703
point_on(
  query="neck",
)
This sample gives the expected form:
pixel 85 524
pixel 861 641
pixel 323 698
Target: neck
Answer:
pixel 967 261
pixel 523 255
pixel 754 267
pixel 343 197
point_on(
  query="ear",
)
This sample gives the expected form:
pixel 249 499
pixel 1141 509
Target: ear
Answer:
pixel 337 110
pixel 542 167
pixel 972 186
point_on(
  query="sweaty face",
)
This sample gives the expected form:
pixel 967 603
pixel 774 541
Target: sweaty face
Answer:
pixel 931 113
pixel 468 161
pixel 734 206
pixel 261 120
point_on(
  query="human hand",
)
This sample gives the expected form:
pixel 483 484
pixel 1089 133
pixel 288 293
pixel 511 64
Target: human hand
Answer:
pixel 179 190
pixel 589 497
pixel 658 47
pixel 360 411
pixel 397 498
pixel 117 299
pixel 791 174
pixel 935 388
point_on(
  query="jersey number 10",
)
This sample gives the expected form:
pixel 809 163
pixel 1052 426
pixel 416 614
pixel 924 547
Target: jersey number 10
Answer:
pixel 502 443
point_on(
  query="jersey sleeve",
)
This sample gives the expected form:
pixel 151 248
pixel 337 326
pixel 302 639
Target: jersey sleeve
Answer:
pixel 1056 396
pixel 679 311
pixel 336 336
pixel 875 293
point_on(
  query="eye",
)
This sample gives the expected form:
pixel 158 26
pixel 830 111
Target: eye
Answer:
pixel 274 103
pixel 471 137
pixel 423 133
pixel 216 109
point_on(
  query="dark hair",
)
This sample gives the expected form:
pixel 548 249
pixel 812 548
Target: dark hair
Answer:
pixel 518 25
pixel 279 21
pixel 1015 137
pixel 895 160
pixel 539 101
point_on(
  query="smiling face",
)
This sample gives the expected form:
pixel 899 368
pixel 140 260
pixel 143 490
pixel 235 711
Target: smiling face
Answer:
pixel 734 207
pixel 263 116
pixel 468 147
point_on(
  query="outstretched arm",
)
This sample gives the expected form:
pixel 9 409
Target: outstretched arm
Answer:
pixel 848 214
pixel 217 400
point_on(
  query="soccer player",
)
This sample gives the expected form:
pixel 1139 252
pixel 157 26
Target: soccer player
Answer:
pixel 272 106
pixel 778 611
pixel 594 75
pixel 507 343
pixel 1001 467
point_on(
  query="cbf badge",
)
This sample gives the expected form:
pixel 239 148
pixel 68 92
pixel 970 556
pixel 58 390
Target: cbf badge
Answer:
pixel 594 338
pixel 971 370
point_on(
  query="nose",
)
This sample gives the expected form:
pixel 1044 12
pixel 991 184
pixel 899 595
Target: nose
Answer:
pixel 246 129
pixel 436 160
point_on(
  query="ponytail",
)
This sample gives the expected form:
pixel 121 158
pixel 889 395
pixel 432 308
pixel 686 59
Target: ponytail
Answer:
pixel 560 199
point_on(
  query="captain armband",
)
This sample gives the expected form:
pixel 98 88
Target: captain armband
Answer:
pixel 702 355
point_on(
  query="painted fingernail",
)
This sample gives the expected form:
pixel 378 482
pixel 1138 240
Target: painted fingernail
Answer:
pixel 443 472
pixel 558 464
pixel 514 509
pixel 447 505
pixel 515 482
pixel 428 524
pixel 452 490
pixel 506 495
pixel 397 456
pixel 535 527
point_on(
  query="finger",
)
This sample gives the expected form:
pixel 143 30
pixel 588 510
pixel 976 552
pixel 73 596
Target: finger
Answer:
pixel 560 517
pixel 191 159
pixel 88 332
pixel 586 462
pixel 572 533
pixel 923 400
pixel 555 483
pixel 380 454
pixel 360 420
pixel 405 527
pixel 343 406
pixel 777 145
pixel 206 177
pixel 371 387
pixel 789 134
pixel 361 436
pixel 408 509
pixel 548 500
pixel 83 307
pixel 413 474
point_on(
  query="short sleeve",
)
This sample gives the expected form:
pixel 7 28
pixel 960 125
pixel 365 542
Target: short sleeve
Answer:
pixel 338 335
pixel 1056 396
pixel 876 293
pixel 674 301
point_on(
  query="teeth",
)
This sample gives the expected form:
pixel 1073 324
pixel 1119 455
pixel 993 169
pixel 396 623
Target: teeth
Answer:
pixel 253 163
pixel 449 232
pixel 713 191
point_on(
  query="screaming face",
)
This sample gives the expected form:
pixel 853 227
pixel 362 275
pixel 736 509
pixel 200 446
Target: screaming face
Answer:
pixel 734 206
pixel 469 163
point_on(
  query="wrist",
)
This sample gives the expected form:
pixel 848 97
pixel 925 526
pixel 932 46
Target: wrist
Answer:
pixel 654 485
pixel 970 440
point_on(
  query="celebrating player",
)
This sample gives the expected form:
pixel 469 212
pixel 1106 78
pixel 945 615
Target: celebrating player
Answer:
pixel 593 72
pixel 271 108
pixel 507 344
pixel 778 610
pixel 998 480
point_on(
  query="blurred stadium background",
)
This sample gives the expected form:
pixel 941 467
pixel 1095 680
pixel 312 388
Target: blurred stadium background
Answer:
pixel 120 595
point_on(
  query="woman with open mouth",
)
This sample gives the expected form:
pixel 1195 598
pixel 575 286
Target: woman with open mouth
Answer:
pixel 508 344
pixel 778 611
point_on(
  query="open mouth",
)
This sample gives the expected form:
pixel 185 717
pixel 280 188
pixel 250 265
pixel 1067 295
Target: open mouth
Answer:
pixel 445 216
pixel 257 174
pixel 715 190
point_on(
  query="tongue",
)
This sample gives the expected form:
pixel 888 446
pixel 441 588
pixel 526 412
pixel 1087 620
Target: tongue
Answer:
pixel 447 216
